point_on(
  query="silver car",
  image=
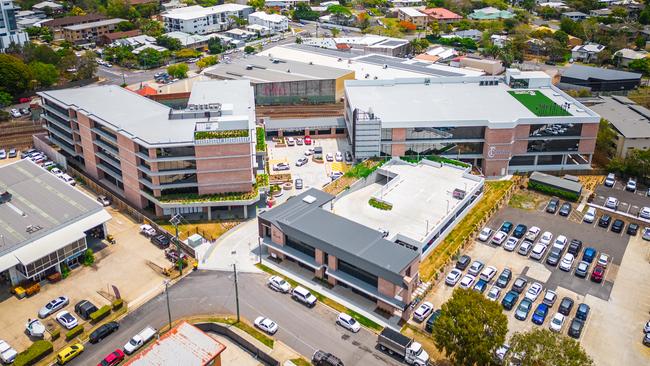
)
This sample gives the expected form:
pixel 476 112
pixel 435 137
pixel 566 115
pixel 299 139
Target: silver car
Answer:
pixel 53 306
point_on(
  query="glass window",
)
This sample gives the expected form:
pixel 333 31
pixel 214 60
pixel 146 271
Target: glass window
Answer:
pixel 184 190
pixel 301 247
pixel 555 129
pixel 386 149
pixel 143 150
pixel 176 165
pixel 440 133
pixel 358 273
pixel 105 130
pixel 386 134
pixel 178 178
pixel 549 159
pixel 175 151
pixel 522 160
pixel 108 166
pixel 553 145
pixel 441 148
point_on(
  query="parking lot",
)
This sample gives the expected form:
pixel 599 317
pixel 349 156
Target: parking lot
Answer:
pixel 629 202
pixel 619 304
pixel 313 174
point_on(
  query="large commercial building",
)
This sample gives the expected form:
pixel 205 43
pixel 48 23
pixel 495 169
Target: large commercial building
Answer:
pixel 278 81
pixel 598 79
pixel 199 20
pixel 44 222
pixel 198 160
pixel 517 123
pixel 9 32
pixel 340 251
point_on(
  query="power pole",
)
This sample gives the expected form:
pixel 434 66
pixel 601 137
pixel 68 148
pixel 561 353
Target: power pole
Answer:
pixel 175 220
pixel 234 266
pixel 169 312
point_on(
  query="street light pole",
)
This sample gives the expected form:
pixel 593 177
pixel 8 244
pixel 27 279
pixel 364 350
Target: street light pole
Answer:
pixel 175 220
pixel 169 312
pixel 234 267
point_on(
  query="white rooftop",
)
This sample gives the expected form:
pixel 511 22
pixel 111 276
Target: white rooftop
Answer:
pixel 47 4
pixel 274 18
pixel 412 12
pixel 197 11
pixel 99 23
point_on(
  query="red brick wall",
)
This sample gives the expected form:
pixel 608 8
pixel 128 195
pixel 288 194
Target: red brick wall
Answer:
pixel 128 162
pixel 500 144
pixel 90 158
pixel 230 168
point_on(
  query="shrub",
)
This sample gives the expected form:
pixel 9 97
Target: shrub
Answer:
pixel 34 353
pixel 100 314
pixel 72 333
pixel 380 205
pixel 117 304
pixel 55 334
pixel 571 196
pixel 202 135
pixel 32 289
pixel 261 139
pixel 89 257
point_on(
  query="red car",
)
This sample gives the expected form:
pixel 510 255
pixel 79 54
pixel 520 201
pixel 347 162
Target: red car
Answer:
pixel 598 274
pixel 307 140
pixel 24 100
pixel 113 358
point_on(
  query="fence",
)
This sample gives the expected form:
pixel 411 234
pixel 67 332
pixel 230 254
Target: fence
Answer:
pixel 225 330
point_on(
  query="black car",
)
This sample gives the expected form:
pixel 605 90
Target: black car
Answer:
pixel 520 231
pixel 463 262
pixel 84 308
pixel 160 240
pixel 632 229
pixel 554 256
pixel 575 247
pixel 432 319
pixel 321 358
pixel 519 285
pixel 565 306
pixel 617 226
pixel 583 311
pixel 504 278
pixel 103 332
pixel 604 221
pixel 565 210
pixel 575 330
pixel 552 205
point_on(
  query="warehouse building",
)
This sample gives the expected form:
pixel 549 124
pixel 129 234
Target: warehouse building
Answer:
pixel 44 222
pixel 598 79
pixel 517 123
pixel 280 81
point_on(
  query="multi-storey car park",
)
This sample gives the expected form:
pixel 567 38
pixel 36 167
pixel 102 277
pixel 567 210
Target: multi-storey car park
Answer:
pixel 197 160
pixel 517 123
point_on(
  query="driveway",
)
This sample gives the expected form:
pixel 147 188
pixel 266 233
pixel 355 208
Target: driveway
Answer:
pixel 210 292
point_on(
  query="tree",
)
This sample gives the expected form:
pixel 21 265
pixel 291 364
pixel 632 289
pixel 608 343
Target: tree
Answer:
pixel 89 257
pixel 5 99
pixel 125 26
pixel 419 44
pixel 44 74
pixel 249 49
pixel 77 11
pixel 43 53
pixel 543 347
pixel 14 75
pixel 470 328
pixel 555 49
pixel 303 11
pixel 86 66
pixel 335 32
pixel 118 9
pixel 215 46
pixel 150 57
pixel 151 27
pixel 363 20
pixel 606 139
pixel 546 12
pixel 178 71
pixel 561 37
pixel 257 4
pixel 172 44
pixel 644 16
pixel 187 53
pixel 407 26
pixel 641 65
pixel 206 62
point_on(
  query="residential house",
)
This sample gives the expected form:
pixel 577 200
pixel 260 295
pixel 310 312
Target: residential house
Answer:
pixel 109 38
pixel 499 40
pixel 473 34
pixel 51 5
pixel 587 52
pixel 624 56
pixel 490 13
pixel 405 3
pixel 630 121
pixel 575 15
pixel 284 4
pixel 605 12
pixel 441 15
pixel 414 16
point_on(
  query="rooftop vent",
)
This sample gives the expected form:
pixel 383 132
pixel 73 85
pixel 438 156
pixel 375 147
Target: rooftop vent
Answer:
pixel 309 199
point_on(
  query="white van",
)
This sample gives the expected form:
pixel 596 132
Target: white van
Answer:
pixel 304 296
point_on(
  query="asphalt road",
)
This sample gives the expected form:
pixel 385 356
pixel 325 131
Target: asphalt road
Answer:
pixel 212 292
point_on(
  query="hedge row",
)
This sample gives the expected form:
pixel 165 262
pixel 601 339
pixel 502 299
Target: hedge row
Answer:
pixel 117 304
pixel 34 353
pixel 100 314
pixel 72 333
pixel 380 205
pixel 571 196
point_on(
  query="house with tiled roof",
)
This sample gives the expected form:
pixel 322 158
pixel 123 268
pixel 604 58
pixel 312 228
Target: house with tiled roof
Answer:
pixel 441 15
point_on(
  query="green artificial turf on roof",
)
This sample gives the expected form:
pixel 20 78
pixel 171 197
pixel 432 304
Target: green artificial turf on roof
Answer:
pixel 538 103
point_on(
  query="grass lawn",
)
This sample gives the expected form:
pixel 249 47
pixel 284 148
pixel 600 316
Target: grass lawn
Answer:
pixel 300 362
pixel 494 191
pixel 526 200
pixel 538 103
pixel 209 230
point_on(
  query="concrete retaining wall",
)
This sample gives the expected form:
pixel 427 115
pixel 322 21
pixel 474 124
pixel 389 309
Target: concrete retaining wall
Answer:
pixel 225 330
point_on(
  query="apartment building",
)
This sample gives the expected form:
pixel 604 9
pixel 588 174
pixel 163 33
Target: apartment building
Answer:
pixel 90 32
pixel 276 23
pixel 9 32
pixel 199 20
pixel 520 122
pixel 197 160
pixel 414 16
pixel 57 25
pixel 341 251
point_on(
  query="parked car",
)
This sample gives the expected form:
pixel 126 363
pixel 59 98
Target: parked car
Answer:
pixel 525 248
pixel 480 286
pixel 575 246
pixel 610 180
pixel 488 273
pixel 617 226
pixel 67 320
pixel 103 331
pixel 552 205
pixel 12 153
pixel 589 254
pixel 533 291
pixel 511 244
pixel 432 319
pixel 597 274
pixel 499 237
pixel 68 353
pixel 147 230
pixel 631 185
pixel 302 161
pixel 565 306
pixel 338 156
pixel 540 314
pixel 632 229
pixel 265 324
pixel 463 262
pixel 57 172
pixel 299 141
pixel 329 157
pixel 612 203
pixel 279 284
pixel 582 269
pixel 567 262
pixel 538 251
pixel 467 281
pixel 560 242
pixel 523 309
pixel 546 238
pixel 112 359
pixel 298 183
pixel 476 268
pixel 453 277
pixel 520 231
pixel 520 285
pixel 504 278
pixel 509 300
pixel 603 260
pixel 3 154
pixel 321 358
pixel 138 340
pixel 303 295
pixel 644 213
pixel 307 140
pixel 84 308
pixel 485 234
pixel 590 215
pixel 15 113
pixel 53 306
pixel 575 329
pixel 556 322
pixel 549 297
pixel 565 210
pixel 646 234
pixel 35 328
pixel 533 233
pixel 583 311
pixel 291 141
pixel 348 157
pixel 506 227
pixel 604 221
pixel 422 311
pixel 336 175
pixel 494 293
pixel 68 179
pixel 281 166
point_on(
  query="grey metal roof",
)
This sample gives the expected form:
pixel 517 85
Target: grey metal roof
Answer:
pixel 582 72
pixel 558 182
pixel 631 120
pixel 38 199
pixel 99 23
pixel 273 124
pixel 267 69
pixel 349 241
pixel 326 51
pixel 398 63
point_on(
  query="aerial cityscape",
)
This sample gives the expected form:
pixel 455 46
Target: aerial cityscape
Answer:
pixel 327 183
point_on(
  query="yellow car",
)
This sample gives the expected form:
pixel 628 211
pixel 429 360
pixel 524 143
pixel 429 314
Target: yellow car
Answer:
pixel 68 353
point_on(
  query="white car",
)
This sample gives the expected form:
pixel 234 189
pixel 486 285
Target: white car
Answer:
pixel 467 281
pixel 147 230
pixel 35 328
pixel 557 322
pixel 511 244
pixel 291 141
pixel 603 260
pixel 646 328
pixel 475 268
pixel 278 283
pixel 66 319
pixel 68 179
pixel 266 324
pixel 499 237
pixel 338 156
pixel 538 251
pixel 329 157
pixel 3 154
pixel 546 238
pixel 7 353
pixel 348 322
pixel 309 152
pixel 645 213
pixel 423 311
pixel 560 242
pixel 336 175
pixel 302 161
pixel 15 113
pixel 484 235
pixel 590 215
pixel 533 291
pixel 533 233
pixel 567 262
pixel 57 172
pixel 453 277
pixel 488 273
pixel 631 185
pixel 281 166
pixel 612 202
pixel 494 293
pixel 646 234
pixel 53 306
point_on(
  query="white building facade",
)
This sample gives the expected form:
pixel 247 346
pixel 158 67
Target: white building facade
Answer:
pixel 9 32
pixel 275 22
pixel 199 20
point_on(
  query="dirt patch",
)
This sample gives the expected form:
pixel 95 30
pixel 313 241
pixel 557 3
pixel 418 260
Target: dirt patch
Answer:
pixel 526 200
pixel 209 230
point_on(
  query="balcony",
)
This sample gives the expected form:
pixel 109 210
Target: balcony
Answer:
pixel 109 159
pixel 104 134
pixel 108 170
pixel 106 147
pixel 60 135
pixel 57 112
pixel 58 123
pixel 151 173
pixel 63 145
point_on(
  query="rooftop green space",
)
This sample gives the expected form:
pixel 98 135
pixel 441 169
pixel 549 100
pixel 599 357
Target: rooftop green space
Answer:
pixel 538 103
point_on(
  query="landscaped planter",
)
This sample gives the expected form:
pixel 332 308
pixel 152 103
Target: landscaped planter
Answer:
pixel 287 186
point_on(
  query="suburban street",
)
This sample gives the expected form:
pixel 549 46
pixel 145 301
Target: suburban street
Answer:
pixel 212 292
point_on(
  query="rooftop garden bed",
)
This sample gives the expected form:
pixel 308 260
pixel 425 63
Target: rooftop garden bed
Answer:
pixel 262 181
pixel 538 103
pixel 205 135
pixel 261 139
pixel 436 158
